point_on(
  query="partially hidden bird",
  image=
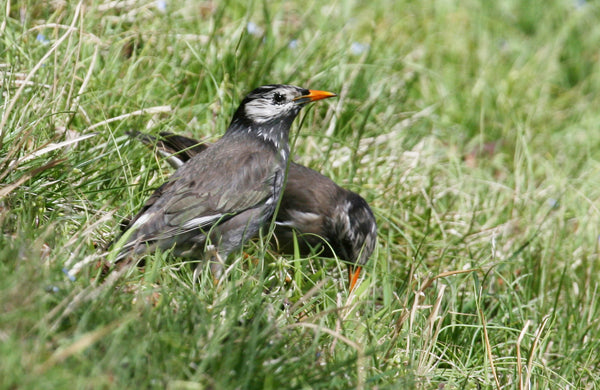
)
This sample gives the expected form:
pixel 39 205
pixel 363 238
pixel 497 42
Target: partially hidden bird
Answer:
pixel 314 209
pixel 220 198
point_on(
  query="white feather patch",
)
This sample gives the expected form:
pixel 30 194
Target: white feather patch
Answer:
pixel 260 111
pixel 300 216
pixel 200 221
pixel 141 220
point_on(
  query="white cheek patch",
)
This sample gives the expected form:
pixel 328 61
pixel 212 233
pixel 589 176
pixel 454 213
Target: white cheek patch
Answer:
pixel 261 111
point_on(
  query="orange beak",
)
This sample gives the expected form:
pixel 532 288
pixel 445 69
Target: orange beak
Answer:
pixel 353 273
pixel 314 95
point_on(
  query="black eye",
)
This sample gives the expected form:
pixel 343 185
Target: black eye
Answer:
pixel 278 98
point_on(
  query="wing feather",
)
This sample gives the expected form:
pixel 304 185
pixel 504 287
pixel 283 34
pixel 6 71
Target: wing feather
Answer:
pixel 210 188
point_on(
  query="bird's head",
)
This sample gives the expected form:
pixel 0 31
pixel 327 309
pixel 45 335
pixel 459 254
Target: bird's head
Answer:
pixel 269 111
pixel 359 231
pixel 274 103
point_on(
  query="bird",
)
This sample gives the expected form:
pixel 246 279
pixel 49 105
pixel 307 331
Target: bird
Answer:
pixel 313 209
pixel 221 198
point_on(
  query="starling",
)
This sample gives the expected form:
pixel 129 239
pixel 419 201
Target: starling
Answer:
pixel 223 196
pixel 313 208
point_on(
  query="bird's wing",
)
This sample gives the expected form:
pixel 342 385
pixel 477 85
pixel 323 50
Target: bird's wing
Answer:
pixel 184 147
pixel 302 204
pixel 211 187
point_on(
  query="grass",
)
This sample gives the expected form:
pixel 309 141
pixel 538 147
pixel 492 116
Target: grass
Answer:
pixel 471 129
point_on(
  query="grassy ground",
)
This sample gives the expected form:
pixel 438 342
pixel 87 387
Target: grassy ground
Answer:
pixel 472 129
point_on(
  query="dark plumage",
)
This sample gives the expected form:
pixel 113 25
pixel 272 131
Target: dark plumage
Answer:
pixel 312 205
pixel 224 195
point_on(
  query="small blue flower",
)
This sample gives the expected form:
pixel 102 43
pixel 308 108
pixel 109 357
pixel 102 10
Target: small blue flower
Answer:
pixel 253 29
pixel 358 48
pixel 293 44
pixel 66 272
pixel 42 38
pixel 161 5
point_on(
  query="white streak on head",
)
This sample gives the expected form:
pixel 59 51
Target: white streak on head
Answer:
pixel 266 107
pixel 260 111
